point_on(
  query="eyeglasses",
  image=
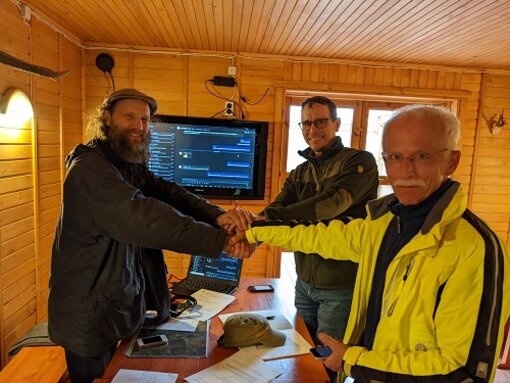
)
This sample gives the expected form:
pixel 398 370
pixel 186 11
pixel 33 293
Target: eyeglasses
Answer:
pixel 320 123
pixel 415 158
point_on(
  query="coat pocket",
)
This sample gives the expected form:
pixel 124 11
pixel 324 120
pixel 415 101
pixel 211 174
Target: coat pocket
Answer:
pixel 119 310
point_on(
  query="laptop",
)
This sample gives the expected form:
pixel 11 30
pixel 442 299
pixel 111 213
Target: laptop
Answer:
pixel 217 274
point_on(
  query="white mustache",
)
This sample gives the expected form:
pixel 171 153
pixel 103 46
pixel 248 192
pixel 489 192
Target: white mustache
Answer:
pixel 409 182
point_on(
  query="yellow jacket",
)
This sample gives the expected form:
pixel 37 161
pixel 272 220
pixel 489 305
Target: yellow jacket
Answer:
pixel 446 296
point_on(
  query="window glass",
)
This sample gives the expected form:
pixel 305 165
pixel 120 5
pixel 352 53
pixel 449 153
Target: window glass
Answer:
pixel 376 120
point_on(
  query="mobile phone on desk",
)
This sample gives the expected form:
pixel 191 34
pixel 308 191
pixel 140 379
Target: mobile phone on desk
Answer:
pixel 152 341
pixel 261 288
pixel 322 352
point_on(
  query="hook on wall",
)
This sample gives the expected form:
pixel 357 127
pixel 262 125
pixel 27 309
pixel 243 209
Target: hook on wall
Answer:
pixel 497 122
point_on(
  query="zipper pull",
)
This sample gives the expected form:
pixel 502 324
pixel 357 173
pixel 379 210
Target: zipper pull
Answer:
pixel 408 268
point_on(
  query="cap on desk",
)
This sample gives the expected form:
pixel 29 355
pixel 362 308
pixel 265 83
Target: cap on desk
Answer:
pixel 242 330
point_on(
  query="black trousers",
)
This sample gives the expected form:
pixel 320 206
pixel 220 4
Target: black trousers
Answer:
pixel 84 370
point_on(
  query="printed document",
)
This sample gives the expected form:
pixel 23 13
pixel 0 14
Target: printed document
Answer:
pixel 238 368
pixel 138 376
pixel 209 304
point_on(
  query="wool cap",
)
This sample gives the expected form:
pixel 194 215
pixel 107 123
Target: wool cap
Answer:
pixel 127 93
pixel 241 330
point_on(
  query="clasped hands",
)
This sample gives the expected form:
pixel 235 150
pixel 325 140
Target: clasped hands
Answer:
pixel 235 222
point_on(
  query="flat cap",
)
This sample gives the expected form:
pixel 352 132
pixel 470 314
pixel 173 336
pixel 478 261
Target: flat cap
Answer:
pixel 241 330
pixel 128 93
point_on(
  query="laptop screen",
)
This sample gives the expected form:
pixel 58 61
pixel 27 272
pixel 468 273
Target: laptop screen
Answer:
pixel 223 268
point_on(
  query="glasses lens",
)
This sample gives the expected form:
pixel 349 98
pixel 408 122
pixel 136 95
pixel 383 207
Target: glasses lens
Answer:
pixel 321 123
pixel 305 125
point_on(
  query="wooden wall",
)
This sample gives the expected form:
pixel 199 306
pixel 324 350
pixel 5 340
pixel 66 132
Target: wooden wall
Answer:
pixel 30 200
pixel 490 191
pixel 31 169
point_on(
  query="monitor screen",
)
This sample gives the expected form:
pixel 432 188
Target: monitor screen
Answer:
pixel 224 267
pixel 210 157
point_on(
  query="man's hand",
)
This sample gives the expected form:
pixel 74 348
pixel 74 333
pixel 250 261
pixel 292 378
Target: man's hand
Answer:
pixel 338 348
pixel 235 219
pixel 237 246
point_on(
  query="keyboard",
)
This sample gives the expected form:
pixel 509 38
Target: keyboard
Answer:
pixel 197 285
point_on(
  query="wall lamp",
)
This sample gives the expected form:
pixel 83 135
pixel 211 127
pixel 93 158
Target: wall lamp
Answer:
pixel 16 114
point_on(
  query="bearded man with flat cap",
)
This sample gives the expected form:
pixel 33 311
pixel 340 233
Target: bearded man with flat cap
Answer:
pixel 115 217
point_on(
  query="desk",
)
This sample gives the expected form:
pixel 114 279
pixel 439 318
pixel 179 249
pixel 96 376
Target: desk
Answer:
pixel 303 368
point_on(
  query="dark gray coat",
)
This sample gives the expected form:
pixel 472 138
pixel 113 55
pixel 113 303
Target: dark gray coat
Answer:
pixel 111 211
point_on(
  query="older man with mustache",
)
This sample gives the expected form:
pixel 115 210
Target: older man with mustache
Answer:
pixel 432 291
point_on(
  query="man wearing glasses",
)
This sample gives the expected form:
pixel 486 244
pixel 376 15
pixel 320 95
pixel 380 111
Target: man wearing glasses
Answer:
pixel 431 296
pixel 334 181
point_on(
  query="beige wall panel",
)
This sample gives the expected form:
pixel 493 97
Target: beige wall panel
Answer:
pixel 14 230
pixel 24 314
pixel 16 213
pixel 44 231
pixel 49 216
pixel 22 137
pixel 12 246
pixel 49 164
pixel 12 261
pixel 15 167
pixel 47 178
pixel 14 199
pixel 48 150
pixel 14 152
pixel 9 308
pixel 18 280
pixel 17 286
pixel 22 328
pixel 45 125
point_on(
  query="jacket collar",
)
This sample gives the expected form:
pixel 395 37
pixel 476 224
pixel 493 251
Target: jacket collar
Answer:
pixel 328 152
pixel 450 206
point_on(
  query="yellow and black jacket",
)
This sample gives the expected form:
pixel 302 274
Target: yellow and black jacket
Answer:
pixel 446 296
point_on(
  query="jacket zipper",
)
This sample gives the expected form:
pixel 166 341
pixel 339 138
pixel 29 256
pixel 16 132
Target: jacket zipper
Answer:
pixel 315 173
pixel 404 279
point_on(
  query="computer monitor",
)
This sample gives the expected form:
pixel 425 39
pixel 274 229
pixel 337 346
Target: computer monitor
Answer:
pixel 213 158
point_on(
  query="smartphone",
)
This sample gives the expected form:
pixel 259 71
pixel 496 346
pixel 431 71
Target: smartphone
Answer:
pixel 321 352
pixel 152 341
pixel 260 288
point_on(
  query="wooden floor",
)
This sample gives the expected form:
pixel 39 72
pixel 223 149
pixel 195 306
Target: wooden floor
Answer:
pixel 288 271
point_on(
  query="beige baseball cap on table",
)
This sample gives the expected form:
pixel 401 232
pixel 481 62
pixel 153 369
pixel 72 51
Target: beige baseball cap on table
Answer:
pixel 126 93
pixel 241 330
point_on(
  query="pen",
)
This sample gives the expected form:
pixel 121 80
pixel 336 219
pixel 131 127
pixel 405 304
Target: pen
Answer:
pixel 270 317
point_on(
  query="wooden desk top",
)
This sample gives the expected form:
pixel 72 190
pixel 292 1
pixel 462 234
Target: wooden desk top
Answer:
pixel 302 368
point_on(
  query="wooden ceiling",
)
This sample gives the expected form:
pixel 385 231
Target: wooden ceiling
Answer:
pixel 461 33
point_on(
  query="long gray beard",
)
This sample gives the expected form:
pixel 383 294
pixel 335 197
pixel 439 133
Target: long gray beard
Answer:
pixel 136 153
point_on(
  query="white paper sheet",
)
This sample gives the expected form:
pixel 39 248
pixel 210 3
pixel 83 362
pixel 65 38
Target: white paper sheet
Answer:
pixel 187 325
pixel 209 304
pixel 238 368
pixel 294 345
pixel 138 376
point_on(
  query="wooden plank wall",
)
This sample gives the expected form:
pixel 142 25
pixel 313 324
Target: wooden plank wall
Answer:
pixel 490 196
pixel 30 202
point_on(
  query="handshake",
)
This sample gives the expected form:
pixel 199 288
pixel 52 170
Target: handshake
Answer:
pixel 235 222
